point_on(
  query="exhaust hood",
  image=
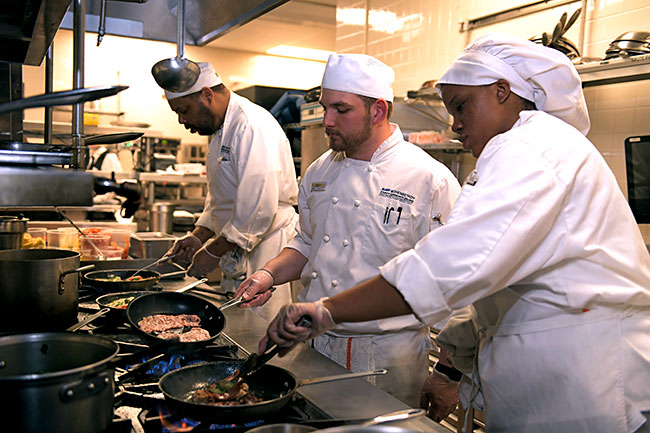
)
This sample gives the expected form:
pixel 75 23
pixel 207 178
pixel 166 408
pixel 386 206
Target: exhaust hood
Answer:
pixel 28 27
pixel 205 20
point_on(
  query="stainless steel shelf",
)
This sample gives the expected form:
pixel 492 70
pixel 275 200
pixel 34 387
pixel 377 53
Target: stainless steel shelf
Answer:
pixel 613 71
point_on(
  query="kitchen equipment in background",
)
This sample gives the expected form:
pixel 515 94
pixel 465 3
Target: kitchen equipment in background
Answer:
pixel 66 97
pixel 177 74
pixel 629 44
pixel 192 153
pixel 557 40
pixel 161 217
pixel 150 245
pixel 637 166
pixel 40 288
pixel 12 230
pixel 151 148
pixel 56 382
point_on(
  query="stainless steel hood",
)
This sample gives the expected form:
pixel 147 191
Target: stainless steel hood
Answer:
pixel 27 28
pixel 205 20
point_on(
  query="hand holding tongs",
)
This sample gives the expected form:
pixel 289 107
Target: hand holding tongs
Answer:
pixel 255 361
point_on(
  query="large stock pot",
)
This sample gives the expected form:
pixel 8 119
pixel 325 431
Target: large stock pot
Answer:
pixel 56 382
pixel 39 289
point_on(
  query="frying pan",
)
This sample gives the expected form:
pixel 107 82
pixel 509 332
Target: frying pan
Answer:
pixel 276 386
pixel 104 301
pixel 149 279
pixel 66 97
pixel 119 137
pixel 212 319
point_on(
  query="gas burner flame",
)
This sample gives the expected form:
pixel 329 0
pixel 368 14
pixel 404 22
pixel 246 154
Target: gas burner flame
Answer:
pixel 173 362
pixel 170 424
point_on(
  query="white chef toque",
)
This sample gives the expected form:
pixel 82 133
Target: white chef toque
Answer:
pixel 359 74
pixel 207 78
pixel 537 73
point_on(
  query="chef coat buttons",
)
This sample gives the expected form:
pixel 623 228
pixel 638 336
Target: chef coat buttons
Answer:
pixel 345 242
pixel 326 238
pixel 335 283
pixel 347 164
pixel 335 200
pixel 314 275
pixel 357 203
pixel 370 168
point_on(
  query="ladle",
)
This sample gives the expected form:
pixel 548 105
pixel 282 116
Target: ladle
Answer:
pixel 178 73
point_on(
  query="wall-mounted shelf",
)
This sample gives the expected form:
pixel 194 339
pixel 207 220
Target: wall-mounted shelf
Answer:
pixel 619 70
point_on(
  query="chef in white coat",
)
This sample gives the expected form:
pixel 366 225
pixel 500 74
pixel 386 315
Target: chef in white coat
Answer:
pixel 368 198
pixel 541 242
pixel 249 213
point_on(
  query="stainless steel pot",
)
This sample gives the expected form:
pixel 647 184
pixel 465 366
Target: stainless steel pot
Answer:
pixel 12 230
pixel 56 382
pixel 40 288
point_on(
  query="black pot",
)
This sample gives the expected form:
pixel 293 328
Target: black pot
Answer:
pixel 56 382
pixel 39 289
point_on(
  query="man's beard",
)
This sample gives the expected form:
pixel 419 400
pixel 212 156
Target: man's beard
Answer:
pixel 205 123
pixel 350 143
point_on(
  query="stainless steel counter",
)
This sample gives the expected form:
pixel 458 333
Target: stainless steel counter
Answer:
pixel 346 399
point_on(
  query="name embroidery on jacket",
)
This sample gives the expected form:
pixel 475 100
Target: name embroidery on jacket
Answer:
pixel 318 186
pixel 394 194
pixel 225 153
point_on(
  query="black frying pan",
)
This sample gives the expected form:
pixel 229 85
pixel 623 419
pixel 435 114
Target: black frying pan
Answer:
pixel 99 279
pixel 66 97
pixel 110 300
pixel 212 319
pixel 276 386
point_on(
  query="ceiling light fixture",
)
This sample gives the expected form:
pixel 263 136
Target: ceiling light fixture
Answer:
pixel 299 52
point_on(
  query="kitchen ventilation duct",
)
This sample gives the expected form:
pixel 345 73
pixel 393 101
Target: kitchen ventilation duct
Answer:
pixel 205 20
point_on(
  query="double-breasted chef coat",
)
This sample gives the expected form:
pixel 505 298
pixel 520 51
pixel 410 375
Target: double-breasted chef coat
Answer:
pixel 252 188
pixel 354 216
pixel 544 245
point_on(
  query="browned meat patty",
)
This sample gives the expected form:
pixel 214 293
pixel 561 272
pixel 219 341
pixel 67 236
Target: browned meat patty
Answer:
pixel 164 322
pixel 194 334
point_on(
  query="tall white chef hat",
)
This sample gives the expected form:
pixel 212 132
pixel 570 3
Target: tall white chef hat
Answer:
pixel 359 74
pixel 537 73
pixel 207 78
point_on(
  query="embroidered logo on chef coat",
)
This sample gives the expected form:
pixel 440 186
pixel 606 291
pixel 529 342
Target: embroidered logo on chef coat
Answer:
pixel 396 217
pixel 318 186
pixel 394 194
pixel 225 153
pixel 471 178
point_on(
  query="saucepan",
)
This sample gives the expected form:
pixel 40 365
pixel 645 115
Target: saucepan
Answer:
pixel 107 280
pixel 274 385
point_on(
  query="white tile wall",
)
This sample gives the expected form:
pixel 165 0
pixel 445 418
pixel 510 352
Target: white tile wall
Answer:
pixel 431 38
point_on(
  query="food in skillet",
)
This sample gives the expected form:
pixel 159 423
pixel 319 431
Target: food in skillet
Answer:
pixel 121 303
pixel 173 326
pixel 230 391
pixel 117 278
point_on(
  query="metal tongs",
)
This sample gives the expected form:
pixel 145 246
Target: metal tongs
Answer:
pixel 160 260
pixel 253 363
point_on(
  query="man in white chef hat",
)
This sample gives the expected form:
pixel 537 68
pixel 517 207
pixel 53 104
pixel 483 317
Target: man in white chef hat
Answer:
pixel 249 213
pixel 541 243
pixel 368 198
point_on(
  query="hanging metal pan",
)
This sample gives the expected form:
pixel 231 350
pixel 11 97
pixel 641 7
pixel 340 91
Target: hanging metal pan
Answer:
pixel 119 137
pixel 66 97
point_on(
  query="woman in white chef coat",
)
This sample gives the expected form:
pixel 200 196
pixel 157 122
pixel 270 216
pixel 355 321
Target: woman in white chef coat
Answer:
pixel 368 198
pixel 249 213
pixel 541 242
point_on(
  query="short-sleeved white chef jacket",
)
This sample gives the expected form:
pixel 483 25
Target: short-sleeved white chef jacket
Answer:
pixel 252 187
pixel 544 245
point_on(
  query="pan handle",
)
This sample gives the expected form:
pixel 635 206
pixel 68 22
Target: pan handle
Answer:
pixel 191 286
pixel 71 271
pixel 88 319
pixel 398 415
pixel 342 377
